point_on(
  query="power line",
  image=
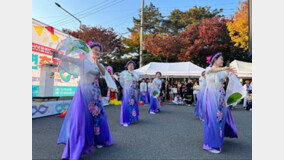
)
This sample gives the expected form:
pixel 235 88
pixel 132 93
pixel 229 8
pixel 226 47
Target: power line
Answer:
pixel 89 13
pixel 86 14
pixel 120 19
pixel 97 5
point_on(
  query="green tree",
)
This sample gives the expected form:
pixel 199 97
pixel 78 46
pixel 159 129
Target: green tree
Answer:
pixel 152 20
pixel 178 20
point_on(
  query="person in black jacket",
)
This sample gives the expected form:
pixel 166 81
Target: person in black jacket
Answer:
pixel 189 88
pixel 167 86
pixel 119 88
pixel 163 91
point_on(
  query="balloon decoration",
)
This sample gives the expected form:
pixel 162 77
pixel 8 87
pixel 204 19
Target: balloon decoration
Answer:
pixel 141 103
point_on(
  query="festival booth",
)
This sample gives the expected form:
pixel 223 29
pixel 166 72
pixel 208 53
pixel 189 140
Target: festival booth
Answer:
pixel 244 69
pixel 171 70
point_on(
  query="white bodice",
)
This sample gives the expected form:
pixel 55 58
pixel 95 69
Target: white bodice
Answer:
pixel 157 83
pixel 88 72
pixel 149 85
pixel 202 83
pixel 126 79
pixel 143 87
pixel 215 79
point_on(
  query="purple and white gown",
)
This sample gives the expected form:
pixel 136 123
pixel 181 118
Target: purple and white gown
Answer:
pixel 218 120
pixel 154 102
pixel 85 123
pixel 129 106
pixel 149 87
pixel 143 93
pixel 199 105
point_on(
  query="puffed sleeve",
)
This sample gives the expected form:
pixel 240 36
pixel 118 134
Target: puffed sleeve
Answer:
pixel 207 70
pixel 200 81
pixel 122 79
pixel 68 59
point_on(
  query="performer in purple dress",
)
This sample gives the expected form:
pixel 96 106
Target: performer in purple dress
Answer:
pixel 129 106
pixel 218 120
pixel 199 104
pixel 154 99
pixel 149 87
pixel 143 92
pixel 85 123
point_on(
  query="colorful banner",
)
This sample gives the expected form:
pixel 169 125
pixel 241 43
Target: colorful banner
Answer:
pixel 50 29
pixel 41 109
pixel 38 29
pixel 54 37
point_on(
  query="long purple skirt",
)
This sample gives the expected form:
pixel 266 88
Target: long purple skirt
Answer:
pixel 149 95
pixel 218 120
pixel 199 105
pixel 154 104
pixel 80 131
pixel 129 107
pixel 144 97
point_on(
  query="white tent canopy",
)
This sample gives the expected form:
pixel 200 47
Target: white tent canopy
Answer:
pixel 244 69
pixel 176 70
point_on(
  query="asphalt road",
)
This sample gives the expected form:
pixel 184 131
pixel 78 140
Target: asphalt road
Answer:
pixel 172 134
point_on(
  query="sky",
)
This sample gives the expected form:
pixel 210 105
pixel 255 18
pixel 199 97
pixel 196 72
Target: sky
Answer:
pixel 117 14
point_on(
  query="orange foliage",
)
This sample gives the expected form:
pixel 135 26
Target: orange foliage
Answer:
pixel 239 28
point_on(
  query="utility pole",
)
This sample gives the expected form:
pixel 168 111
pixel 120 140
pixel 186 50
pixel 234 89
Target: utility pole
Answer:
pixel 141 35
pixel 250 35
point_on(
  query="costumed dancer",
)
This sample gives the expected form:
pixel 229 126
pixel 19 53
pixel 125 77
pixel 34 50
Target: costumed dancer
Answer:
pixel 218 120
pixel 149 87
pixel 129 106
pixel 111 92
pixel 114 94
pixel 119 88
pixel 85 124
pixel 143 92
pixel 199 105
pixel 154 102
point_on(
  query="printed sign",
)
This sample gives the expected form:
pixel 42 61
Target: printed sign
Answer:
pixel 43 41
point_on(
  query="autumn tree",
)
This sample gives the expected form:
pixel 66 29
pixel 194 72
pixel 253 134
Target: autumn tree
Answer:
pixel 132 43
pixel 190 43
pixel 111 42
pixel 207 38
pixel 239 27
pixel 163 46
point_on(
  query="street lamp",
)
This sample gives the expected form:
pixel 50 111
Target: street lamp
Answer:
pixel 58 5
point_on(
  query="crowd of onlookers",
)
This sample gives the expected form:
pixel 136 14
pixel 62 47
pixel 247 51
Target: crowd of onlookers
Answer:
pixel 247 101
pixel 180 92
pixel 185 92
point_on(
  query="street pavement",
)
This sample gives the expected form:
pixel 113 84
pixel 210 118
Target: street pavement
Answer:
pixel 173 133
